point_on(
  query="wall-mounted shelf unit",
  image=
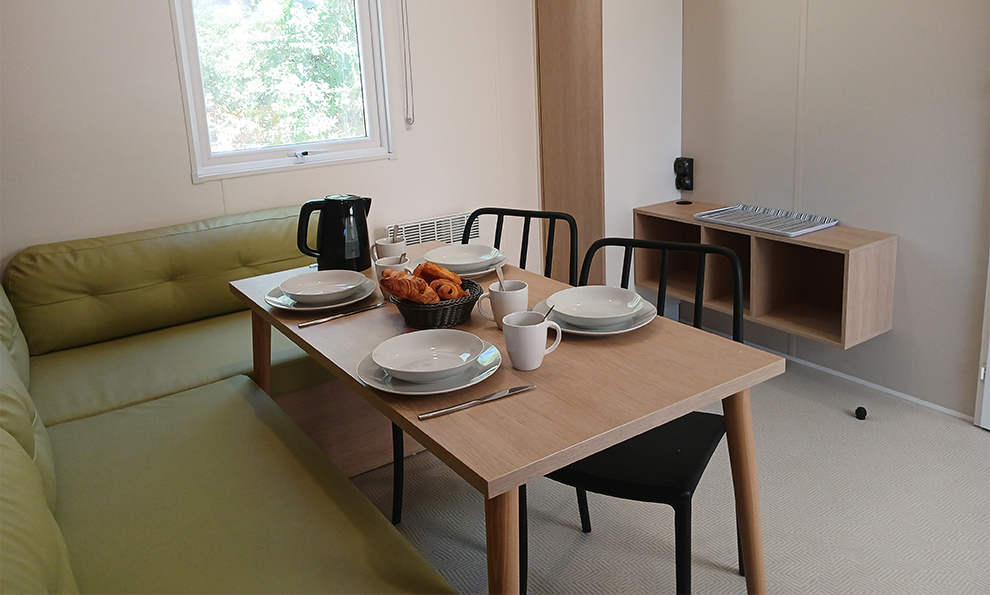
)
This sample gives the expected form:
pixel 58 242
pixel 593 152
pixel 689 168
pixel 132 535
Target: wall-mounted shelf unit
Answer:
pixel 834 285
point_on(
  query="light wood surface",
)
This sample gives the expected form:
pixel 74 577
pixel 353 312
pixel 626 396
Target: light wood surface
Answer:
pixel 502 537
pixel 593 392
pixel 870 282
pixel 835 285
pixel 839 238
pixel 742 460
pixel 572 153
pixel 261 349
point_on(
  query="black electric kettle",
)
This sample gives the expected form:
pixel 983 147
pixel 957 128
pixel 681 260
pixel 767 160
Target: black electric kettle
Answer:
pixel 342 233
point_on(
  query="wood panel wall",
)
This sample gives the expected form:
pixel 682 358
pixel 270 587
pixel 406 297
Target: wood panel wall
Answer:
pixel 569 62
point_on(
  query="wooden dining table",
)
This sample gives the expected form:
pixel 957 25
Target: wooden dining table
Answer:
pixel 591 393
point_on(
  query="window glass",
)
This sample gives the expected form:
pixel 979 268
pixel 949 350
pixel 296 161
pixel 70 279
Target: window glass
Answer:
pixel 281 83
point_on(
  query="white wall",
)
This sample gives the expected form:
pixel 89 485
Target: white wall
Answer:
pixel 641 80
pixel 93 142
pixel 872 112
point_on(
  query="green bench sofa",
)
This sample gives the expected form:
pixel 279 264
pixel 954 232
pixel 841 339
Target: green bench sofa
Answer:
pixel 136 456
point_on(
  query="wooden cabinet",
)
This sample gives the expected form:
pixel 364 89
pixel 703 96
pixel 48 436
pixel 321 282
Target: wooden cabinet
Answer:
pixel 834 285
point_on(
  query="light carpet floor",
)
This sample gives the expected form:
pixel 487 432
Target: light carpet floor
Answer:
pixel 898 503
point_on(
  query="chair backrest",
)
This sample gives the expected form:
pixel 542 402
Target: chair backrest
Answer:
pixel 666 248
pixel 552 216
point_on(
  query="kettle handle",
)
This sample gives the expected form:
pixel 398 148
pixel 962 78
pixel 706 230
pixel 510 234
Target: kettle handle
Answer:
pixel 304 215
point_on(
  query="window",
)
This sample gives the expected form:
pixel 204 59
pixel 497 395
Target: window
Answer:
pixel 273 84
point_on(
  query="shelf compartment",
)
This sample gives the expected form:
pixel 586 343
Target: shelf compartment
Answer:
pixel 798 289
pixel 683 272
pixel 718 280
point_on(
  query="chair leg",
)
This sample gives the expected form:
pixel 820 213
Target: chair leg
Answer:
pixel 682 546
pixel 523 541
pixel 582 497
pixel 742 571
pixel 398 472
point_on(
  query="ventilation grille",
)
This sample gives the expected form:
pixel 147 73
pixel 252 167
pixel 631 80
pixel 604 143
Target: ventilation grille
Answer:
pixel 448 229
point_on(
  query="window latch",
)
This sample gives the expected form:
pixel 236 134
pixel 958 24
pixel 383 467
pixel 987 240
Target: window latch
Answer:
pixel 301 155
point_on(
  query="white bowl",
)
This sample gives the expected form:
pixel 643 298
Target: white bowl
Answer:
pixel 464 258
pixel 429 355
pixel 321 287
pixel 595 306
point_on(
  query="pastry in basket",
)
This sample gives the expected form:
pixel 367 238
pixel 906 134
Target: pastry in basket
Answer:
pixel 432 271
pixel 447 289
pixel 414 289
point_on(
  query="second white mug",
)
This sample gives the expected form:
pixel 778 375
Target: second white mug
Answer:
pixel 385 247
pixel 515 298
pixel 397 263
pixel 526 339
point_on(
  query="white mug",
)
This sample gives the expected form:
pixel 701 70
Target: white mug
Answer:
pixel 397 263
pixel 526 339
pixel 385 247
pixel 515 298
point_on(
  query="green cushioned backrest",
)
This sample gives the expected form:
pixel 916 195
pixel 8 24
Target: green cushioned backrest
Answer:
pixel 19 417
pixel 33 558
pixel 75 293
pixel 13 339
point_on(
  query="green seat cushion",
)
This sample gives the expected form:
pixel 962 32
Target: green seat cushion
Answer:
pixel 215 490
pixel 33 556
pixel 90 380
pixel 20 419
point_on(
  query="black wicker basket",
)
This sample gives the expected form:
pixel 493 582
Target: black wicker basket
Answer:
pixel 444 314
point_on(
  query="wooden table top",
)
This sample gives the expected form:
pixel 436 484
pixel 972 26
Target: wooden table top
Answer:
pixel 592 392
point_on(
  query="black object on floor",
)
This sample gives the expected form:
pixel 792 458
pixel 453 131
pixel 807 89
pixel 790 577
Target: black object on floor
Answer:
pixel 861 413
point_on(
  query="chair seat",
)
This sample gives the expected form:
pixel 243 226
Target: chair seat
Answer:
pixel 662 465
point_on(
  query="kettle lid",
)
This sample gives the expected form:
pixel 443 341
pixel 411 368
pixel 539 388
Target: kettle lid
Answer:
pixel 342 197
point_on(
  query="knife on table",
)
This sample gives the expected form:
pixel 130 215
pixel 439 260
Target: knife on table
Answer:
pixel 498 395
pixel 336 316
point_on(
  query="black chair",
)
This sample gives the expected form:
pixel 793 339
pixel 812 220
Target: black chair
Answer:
pixel 553 217
pixel 663 465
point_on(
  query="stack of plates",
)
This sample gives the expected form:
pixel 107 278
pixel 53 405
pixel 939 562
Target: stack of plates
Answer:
pixel 597 310
pixel 467 260
pixel 429 362
pixel 321 289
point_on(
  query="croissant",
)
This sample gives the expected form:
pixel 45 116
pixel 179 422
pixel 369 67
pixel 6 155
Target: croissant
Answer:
pixel 386 273
pixel 431 271
pixel 447 290
pixel 409 288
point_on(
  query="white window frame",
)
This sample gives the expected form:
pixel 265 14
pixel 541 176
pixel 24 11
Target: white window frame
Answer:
pixel 207 165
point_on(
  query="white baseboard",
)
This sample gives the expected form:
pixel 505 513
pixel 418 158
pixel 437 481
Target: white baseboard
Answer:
pixel 672 310
pixel 868 384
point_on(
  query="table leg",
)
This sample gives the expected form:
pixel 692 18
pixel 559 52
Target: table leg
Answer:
pixel 742 457
pixel 261 342
pixel 502 526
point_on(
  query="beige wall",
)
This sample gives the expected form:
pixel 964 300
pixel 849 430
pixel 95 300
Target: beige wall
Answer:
pixel 874 113
pixel 93 141
pixel 641 80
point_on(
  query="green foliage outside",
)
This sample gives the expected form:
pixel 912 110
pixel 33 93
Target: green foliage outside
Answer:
pixel 279 72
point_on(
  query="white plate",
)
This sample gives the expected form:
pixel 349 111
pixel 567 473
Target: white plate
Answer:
pixel 429 355
pixel 372 375
pixel 595 306
pixel 646 313
pixel 491 267
pixel 480 273
pixel 322 287
pixel 278 299
pixel 464 258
